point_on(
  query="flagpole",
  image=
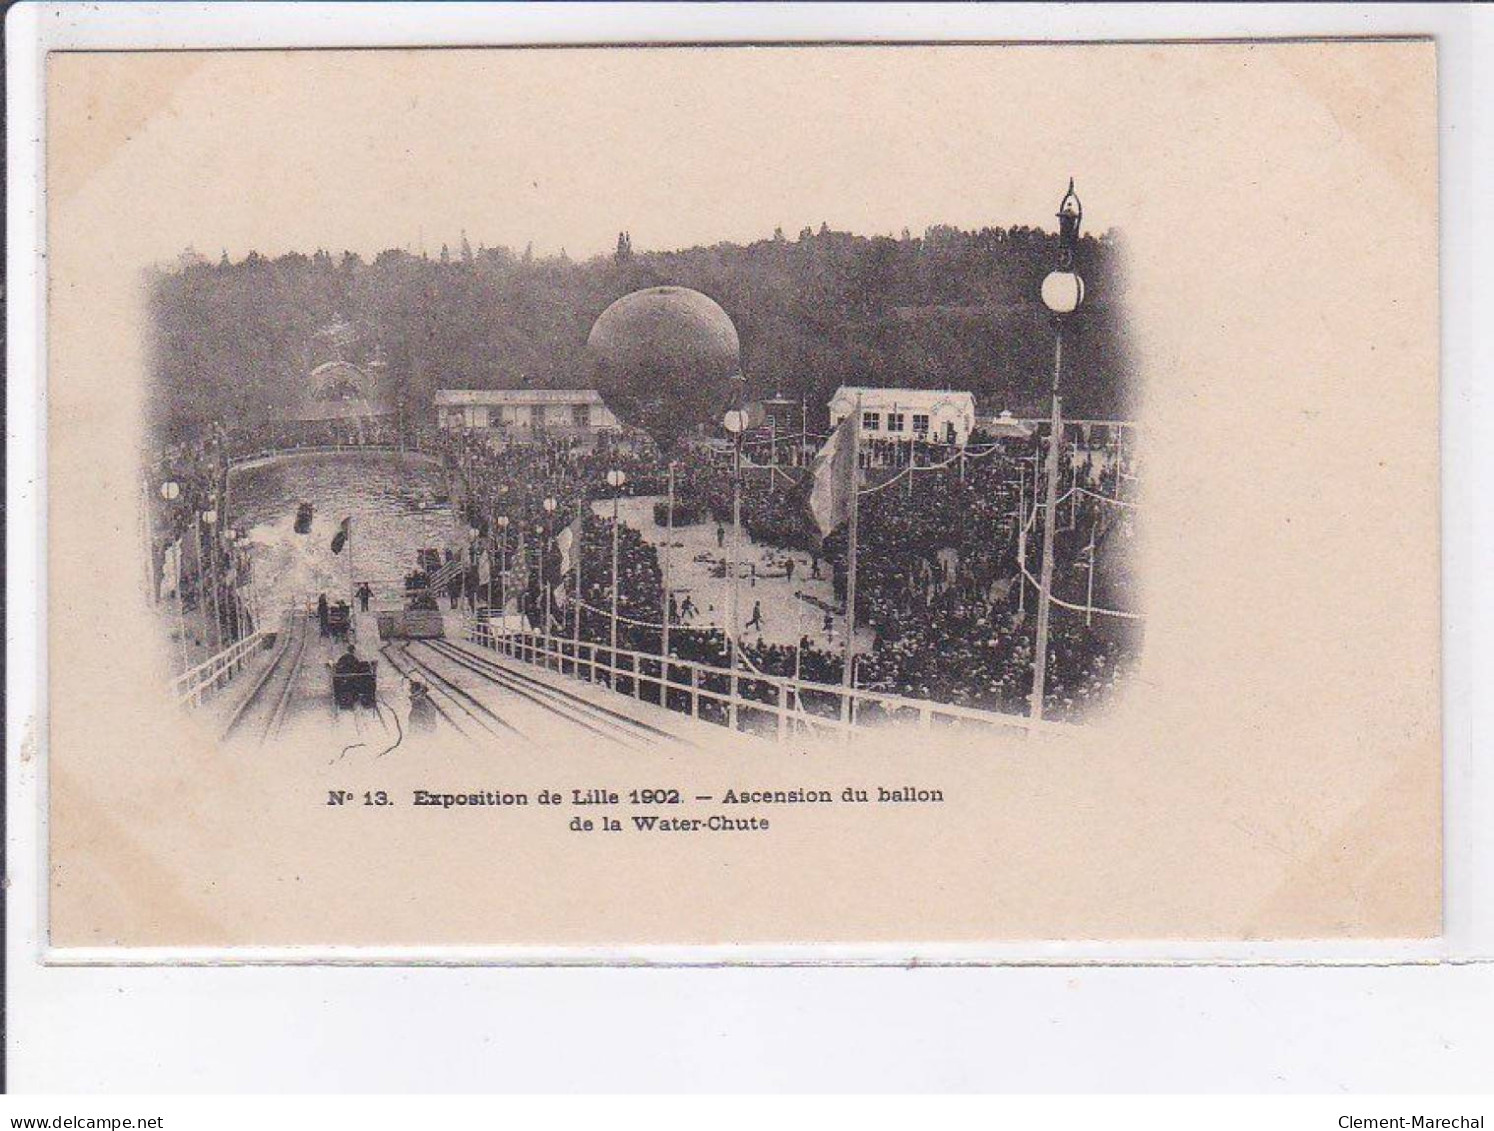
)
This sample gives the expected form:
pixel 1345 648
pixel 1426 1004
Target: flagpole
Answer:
pixel 202 583
pixel 736 422
pixel 847 674
pixel 1074 486
pixel 1050 495
pixel 502 575
pixel 803 429
pixel 352 594
pixel 146 498
pixel 1089 596
pixel 912 454
pixel 613 637
pixel 1062 292
pixel 668 554
pixel 549 508
pixel 181 604
pixel 773 455
pixel 576 612
pixel 1022 537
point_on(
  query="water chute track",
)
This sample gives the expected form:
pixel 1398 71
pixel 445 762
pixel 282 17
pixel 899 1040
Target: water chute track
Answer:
pixel 599 720
pixel 270 696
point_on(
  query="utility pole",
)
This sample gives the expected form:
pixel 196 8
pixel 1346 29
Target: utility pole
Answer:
pixel 848 670
pixel 668 555
pixel 1050 497
pixel 576 612
pixel 1063 291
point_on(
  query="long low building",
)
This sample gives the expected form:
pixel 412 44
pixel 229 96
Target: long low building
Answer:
pixel 944 416
pixel 525 415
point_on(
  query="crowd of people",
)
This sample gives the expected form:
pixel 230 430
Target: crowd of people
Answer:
pixel 195 560
pixel 938 577
pixel 191 561
pixel 940 583
pixel 344 432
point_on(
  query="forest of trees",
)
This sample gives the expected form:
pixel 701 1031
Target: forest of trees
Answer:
pixel 951 309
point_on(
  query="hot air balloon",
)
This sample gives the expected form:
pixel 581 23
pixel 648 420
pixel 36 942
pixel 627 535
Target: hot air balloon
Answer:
pixel 664 359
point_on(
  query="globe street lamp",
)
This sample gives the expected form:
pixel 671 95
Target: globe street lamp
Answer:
pixel 549 506
pixel 664 605
pixel 615 479
pixel 210 520
pixel 502 523
pixel 735 422
pixel 1063 291
pixel 170 490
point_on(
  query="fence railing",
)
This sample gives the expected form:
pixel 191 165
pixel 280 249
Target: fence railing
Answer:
pixel 327 449
pixel 196 684
pixel 771 706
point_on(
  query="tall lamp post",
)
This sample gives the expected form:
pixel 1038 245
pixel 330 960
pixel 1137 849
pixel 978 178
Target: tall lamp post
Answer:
pixel 171 491
pixel 668 554
pixel 474 552
pixel 735 423
pixel 615 480
pixel 544 548
pixel 210 520
pixel 502 523
pixel 1063 291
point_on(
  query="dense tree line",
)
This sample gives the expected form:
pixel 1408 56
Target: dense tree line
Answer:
pixel 957 309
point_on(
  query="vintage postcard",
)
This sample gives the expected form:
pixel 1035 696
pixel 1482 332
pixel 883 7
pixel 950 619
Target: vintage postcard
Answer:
pixel 743 495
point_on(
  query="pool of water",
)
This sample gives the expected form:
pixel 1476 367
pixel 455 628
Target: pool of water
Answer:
pixel 397 503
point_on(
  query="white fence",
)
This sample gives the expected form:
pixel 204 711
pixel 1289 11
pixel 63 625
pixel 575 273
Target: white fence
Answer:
pixel 267 454
pixel 196 684
pixel 772 706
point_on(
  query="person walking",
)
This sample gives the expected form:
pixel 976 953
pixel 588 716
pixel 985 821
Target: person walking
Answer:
pixel 321 613
pixel 422 710
pixel 756 620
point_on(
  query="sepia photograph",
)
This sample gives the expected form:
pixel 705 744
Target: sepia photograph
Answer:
pixel 444 494
pixel 954 475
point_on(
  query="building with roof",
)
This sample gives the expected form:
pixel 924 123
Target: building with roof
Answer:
pixel 515 416
pixel 943 416
pixel 1005 426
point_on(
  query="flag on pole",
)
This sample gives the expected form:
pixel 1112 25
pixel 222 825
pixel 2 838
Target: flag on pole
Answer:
pixel 568 543
pixel 344 532
pixel 171 570
pixel 190 562
pixel 833 477
pixel 443 576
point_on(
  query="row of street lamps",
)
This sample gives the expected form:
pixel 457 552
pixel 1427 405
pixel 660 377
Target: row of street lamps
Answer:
pixel 1062 293
pixel 616 479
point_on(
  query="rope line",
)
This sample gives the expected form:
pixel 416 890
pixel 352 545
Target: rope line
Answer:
pixel 1080 608
pixel 1108 499
pixel 740 650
